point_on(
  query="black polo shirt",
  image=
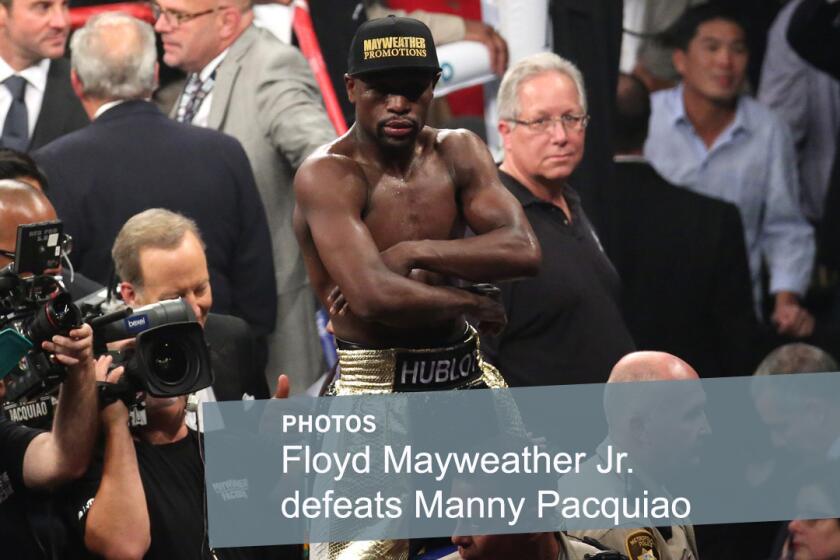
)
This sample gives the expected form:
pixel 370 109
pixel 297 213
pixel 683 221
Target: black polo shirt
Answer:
pixel 564 325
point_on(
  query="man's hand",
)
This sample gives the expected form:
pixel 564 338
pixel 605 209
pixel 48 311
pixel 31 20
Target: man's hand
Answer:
pixel 338 303
pixel 790 317
pixel 74 351
pixel 488 316
pixel 397 258
pixel 115 413
pixel 483 33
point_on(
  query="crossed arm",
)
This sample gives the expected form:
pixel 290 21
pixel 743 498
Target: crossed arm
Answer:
pixel 504 247
pixel 331 196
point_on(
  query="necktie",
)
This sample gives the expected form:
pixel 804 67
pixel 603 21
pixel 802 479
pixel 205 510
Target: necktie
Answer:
pixel 16 127
pixel 195 92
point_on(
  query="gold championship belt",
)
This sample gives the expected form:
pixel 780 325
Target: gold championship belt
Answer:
pixel 401 370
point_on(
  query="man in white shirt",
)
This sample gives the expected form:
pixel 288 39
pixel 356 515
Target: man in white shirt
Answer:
pixel 36 102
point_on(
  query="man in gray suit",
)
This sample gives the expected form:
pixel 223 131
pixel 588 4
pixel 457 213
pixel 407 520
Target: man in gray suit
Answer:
pixel 246 83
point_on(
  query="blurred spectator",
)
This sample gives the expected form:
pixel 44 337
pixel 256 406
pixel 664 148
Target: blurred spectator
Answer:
pixel 815 535
pixel 814 35
pixel 653 60
pixel 588 33
pixel 37 102
pixel 680 255
pixel 708 137
pixel 144 159
pixel 662 438
pixel 246 83
pixel 808 445
pixel 20 166
pixel 32 206
pixel 808 100
pixel 564 325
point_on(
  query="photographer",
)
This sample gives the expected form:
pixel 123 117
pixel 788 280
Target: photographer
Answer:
pixel 35 460
pixel 145 497
pixel 159 254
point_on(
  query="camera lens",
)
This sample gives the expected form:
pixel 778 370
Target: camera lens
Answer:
pixel 57 316
pixel 168 360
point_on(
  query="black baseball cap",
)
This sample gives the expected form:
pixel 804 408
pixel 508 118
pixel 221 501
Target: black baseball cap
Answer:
pixel 392 43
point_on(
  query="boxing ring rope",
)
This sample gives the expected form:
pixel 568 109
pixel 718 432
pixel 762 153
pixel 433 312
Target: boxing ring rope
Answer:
pixel 308 42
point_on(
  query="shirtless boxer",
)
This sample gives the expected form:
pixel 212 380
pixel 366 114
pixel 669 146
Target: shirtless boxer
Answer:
pixel 381 216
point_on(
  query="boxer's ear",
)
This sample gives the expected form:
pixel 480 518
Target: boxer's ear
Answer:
pixel 350 84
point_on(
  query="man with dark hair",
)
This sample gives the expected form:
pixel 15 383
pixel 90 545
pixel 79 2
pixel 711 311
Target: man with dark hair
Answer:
pixel 36 102
pixel 385 250
pixel 706 136
pixel 27 206
pixel 680 255
pixel 18 165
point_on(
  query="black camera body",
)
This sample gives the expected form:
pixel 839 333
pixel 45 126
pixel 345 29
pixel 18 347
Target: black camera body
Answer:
pixel 33 308
pixel 169 358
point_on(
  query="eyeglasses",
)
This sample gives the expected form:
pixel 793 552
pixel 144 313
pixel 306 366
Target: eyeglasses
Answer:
pixel 574 123
pixel 176 18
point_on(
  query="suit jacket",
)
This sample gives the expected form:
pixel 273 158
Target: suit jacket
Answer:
pixel 588 32
pixel 683 262
pixel 232 359
pixel 132 158
pixel 265 97
pixel 61 111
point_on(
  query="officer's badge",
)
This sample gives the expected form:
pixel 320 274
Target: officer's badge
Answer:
pixel 641 545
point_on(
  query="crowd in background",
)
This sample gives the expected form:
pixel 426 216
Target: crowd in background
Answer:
pixel 698 214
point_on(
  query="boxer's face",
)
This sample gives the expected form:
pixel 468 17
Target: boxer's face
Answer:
pixel 548 152
pixel 392 106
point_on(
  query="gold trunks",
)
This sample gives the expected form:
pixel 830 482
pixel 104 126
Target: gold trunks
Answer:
pixel 394 370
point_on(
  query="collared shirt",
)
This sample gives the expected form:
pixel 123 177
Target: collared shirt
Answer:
pixel 202 116
pixel 564 325
pixel 751 164
pixel 808 100
pixel 105 106
pixel 33 95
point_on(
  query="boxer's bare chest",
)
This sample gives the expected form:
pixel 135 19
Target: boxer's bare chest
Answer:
pixel 421 204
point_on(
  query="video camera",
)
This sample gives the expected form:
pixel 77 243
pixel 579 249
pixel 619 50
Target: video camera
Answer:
pixel 169 358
